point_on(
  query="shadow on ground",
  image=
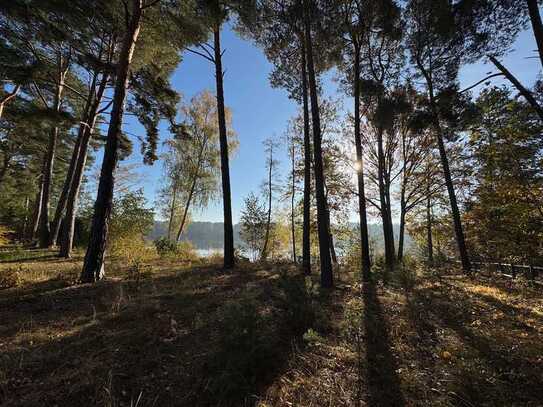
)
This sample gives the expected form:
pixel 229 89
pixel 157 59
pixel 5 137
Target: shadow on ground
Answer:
pixel 195 337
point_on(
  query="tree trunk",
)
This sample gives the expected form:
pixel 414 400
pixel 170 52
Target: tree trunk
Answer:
pixel 528 95
pixel 44 231
pixel 327 277
pixel 7 98
pixel 268 221
pixel 223 143
pixel 459 233
pixel 402 228
pixel 186 210
pixel 364 239
pixel 63 199
pixel 37 212
pixel 306 233
pixel 93 268
pixel 388 233
pixel 66 241
pixel 192 188
pixel 429 224
pixel 292 196
pixel 172 211
pixel 535 18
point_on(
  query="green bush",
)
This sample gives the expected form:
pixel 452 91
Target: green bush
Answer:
pixel 165 247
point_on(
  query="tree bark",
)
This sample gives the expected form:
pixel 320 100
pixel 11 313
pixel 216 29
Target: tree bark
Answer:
pixel 229 259
pixel 11 95
pixel 172 211
pixel 429 224
pixel 37 212
pixel 44 231
pixel 327 277
pixel 93 267
pixel 192 188
pixel 384 197
pixel 364 238
pixel 459 232
pixel 402 228
pixel 268 220
pixel 516 83
pixel 292 196
pixel 63 199
pixel 537 25
pixel 306 233
pixel 72 201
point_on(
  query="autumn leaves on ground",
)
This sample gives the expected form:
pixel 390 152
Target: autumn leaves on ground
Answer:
pixel 263 335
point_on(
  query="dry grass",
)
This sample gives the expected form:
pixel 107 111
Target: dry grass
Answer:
pixel 196 335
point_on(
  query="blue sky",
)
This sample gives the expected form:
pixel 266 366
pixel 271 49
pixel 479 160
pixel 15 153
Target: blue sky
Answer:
pixel 260 111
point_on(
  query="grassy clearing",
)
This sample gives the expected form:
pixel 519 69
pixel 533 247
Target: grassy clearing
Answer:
pixel 262 335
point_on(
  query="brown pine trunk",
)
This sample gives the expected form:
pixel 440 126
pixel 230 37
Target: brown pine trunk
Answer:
pixel 364 239
pixel 384 198
pixel 429 224
pixel 44 231
pixel 459 233
pixel 306 233
pixel 223 143
pixel 93 267
pixel 292 196
pixel 72 201
pixel 537 26
pixel 402 228
pixel 63 199
pixel 327 277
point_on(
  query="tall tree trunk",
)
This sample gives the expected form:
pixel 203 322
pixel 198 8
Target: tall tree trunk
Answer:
pixel 429 224
pixel 66 241
pixel 268 220
pixel 364 238
pixel 63 199
pixel 93 267
pixel 327 277
pixel 172 211
pixel 535 18
pixel 459 232
pixel 33 232
pixel 186 210
pixel 333 254
pixel 402 227
pixel 306 232
pixel 196 175
pixel 11 95
pixel 385 205
pixel 223 144
pixel 292 196
pixel 44 231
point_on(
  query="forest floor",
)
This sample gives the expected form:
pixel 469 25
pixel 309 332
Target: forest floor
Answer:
pixel 195 335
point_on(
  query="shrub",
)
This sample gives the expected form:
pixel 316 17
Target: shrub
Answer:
pixel 165 247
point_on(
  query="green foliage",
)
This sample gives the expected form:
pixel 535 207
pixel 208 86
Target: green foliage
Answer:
pixel 253 224
pixel 165 247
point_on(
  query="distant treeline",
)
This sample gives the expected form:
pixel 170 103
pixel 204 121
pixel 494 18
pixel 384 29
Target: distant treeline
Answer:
pixel 209 235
